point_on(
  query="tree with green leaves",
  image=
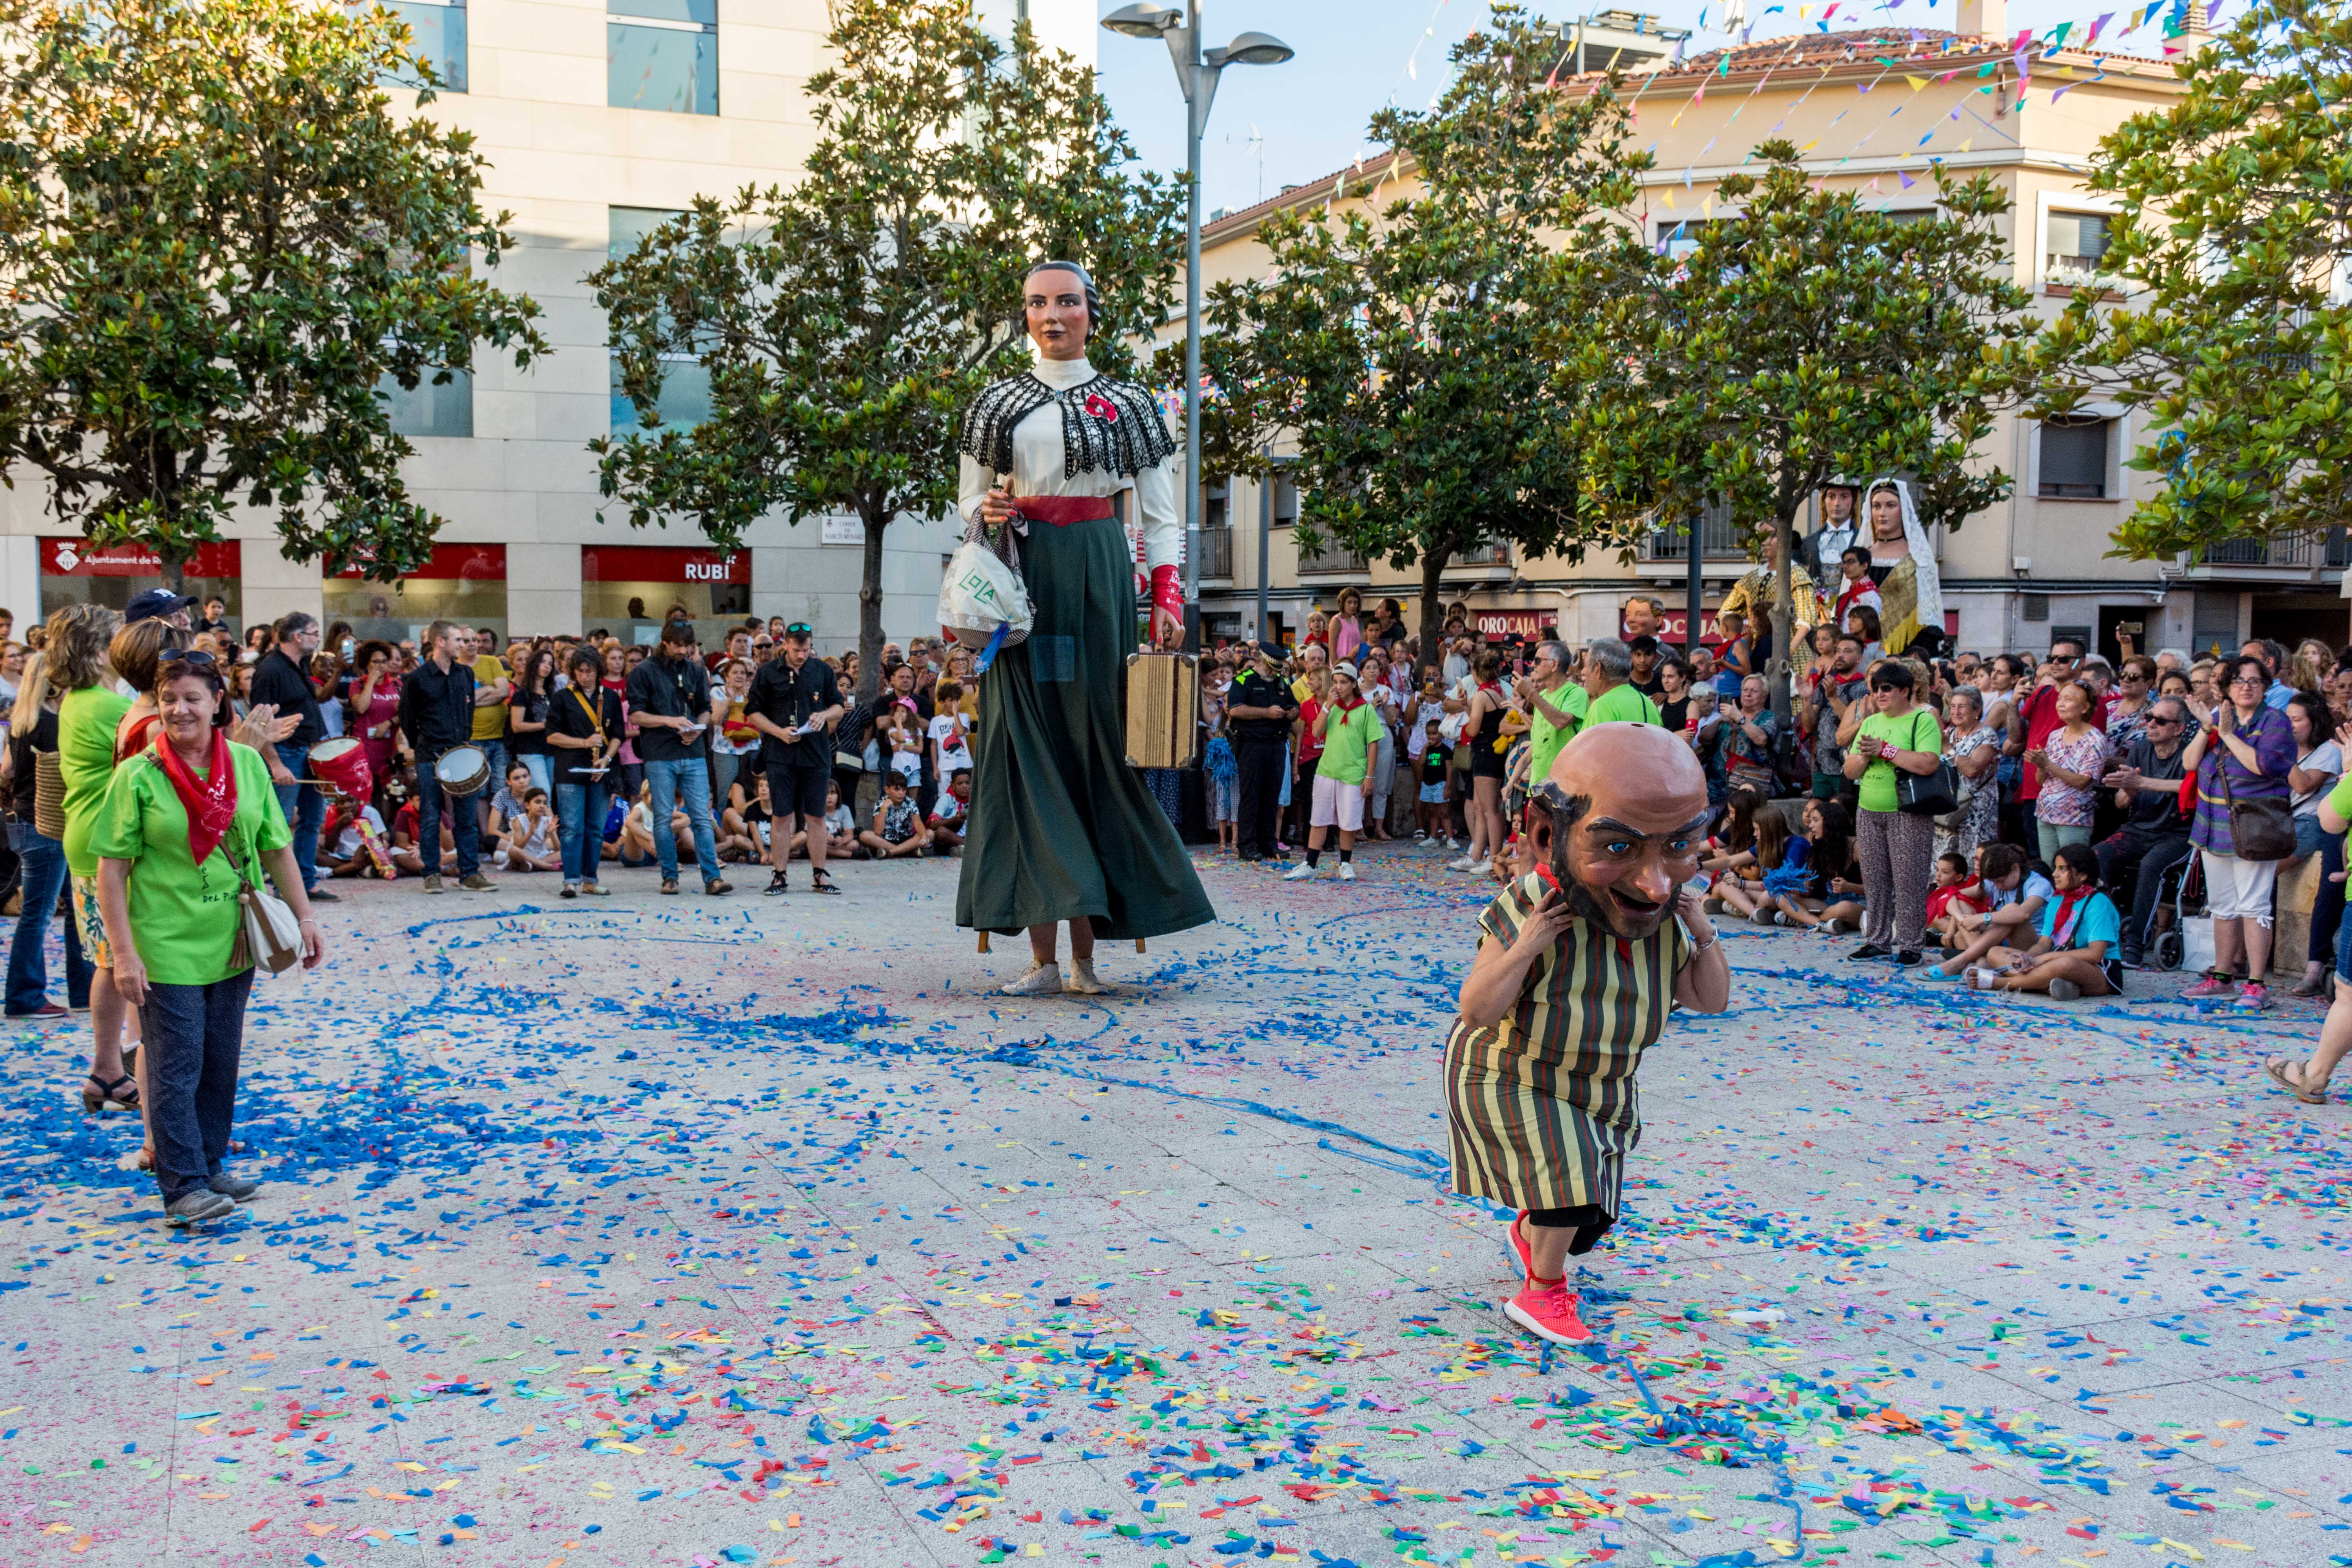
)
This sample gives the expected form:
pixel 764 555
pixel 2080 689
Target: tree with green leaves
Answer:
pixel 1805 336
pixel 846 321
pixel 1411 354
pixel 218 239
pixel 2232 244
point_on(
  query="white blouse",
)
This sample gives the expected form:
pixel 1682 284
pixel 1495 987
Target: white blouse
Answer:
pixel 1037 465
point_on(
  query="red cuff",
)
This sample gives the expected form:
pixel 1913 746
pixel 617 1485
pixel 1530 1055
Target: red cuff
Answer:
pixel 1167 593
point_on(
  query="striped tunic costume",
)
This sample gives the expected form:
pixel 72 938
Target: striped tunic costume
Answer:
pixel 1542 1106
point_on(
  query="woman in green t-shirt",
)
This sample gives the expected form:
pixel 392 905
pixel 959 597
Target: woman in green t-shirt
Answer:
pixel 1897 849
pixel 1349 729
pixel 184 822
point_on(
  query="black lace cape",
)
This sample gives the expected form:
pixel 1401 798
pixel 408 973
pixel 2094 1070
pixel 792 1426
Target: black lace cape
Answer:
pixel 1111 426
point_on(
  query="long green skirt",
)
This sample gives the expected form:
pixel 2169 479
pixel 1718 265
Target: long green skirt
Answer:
pixel 1062 829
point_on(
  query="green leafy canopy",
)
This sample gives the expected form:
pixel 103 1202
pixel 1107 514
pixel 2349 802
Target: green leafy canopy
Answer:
pixel 845 320
pixel 216 239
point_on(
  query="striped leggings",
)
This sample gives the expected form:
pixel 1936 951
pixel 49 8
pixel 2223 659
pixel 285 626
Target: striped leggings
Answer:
pixel 1898 862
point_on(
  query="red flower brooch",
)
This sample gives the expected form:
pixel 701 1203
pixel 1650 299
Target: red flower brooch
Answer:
pixel 1102 408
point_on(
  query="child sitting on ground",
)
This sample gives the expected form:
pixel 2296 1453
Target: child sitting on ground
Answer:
pixel 2078 950
pixel 530 844
pixel 950 813
pixel 899 828
pixel 1780 854
pixel 1955 892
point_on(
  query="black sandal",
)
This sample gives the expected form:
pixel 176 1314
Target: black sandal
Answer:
pixel 123 1092
pixel 822 882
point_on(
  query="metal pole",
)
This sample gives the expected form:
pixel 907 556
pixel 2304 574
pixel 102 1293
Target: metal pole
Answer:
pixel 1192 118
pixel 1697 585
pixel 1265 530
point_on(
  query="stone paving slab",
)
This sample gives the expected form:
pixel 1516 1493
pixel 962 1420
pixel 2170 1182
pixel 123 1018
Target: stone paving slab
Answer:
pixel 683 1231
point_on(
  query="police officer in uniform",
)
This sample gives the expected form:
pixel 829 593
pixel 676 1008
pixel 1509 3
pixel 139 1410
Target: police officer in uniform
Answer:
pixel 1258 713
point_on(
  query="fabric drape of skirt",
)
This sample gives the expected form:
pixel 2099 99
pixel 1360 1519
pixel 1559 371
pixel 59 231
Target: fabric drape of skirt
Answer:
pixel 1062 829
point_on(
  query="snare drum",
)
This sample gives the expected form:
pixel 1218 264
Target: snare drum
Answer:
pixel 340 766
pixel 462 770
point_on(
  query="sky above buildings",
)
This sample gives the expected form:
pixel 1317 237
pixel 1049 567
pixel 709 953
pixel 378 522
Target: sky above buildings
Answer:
pixel 1288 124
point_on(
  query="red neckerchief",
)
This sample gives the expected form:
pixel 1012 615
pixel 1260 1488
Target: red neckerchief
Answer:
pixel 2062 924
pixel 1854 591
pixel 210 802
pixel 1348 708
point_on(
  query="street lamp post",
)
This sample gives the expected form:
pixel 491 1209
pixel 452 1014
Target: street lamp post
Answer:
pixel 1196 75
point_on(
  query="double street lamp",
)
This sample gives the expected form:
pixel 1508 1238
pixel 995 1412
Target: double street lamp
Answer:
pixel 1196 73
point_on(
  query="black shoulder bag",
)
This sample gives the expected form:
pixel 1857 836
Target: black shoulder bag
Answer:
pixel 1927 794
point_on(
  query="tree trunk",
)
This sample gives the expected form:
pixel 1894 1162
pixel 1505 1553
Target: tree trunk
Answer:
pixel 1784 613
pixel 869 603
pixel 1433 599
pixel 175 568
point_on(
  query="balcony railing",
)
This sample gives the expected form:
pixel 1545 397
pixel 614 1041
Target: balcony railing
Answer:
pixel 2331 549
pixel 1330 556
pixel 1495 553
pixel 1217 552
pixel 1717 538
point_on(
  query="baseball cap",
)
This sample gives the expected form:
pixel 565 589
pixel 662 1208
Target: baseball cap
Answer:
pixel 153 603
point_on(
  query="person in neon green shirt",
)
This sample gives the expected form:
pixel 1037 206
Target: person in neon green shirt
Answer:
pixel 1351 727
pixel 1608 676
pixel 1556 706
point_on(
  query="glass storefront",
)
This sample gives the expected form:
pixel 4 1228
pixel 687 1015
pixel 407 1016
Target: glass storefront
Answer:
pixel 76 572
pixel 461 582
pixel 630 590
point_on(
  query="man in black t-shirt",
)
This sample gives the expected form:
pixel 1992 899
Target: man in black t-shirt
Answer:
pixel 794 702
pixel 1259 709
pixel 584 729
pixel 670 701
pixel 2155 834
pixel 282 680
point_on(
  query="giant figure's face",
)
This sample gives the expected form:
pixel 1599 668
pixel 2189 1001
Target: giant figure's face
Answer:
pixel 1053 308
pixel 1628 806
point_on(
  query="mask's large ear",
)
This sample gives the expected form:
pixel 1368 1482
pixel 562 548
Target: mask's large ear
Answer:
pixel 1553 813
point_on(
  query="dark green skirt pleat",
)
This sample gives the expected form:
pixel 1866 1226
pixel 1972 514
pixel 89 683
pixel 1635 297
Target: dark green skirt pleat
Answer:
pixel 1062 829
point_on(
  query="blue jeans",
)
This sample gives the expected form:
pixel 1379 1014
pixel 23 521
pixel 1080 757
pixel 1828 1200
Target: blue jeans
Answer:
pixel 542 773
pixel 44 876
pixel 464 821
pixel 580 819
pixel 496 751
pixel 682 781
pixel 305 810
pixel 192 1036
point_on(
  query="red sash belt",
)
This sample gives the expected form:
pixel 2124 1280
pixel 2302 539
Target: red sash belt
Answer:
pixel 1064 510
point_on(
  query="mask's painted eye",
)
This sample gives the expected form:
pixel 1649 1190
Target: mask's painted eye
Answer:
pixel 1618 847
pixel 1678 846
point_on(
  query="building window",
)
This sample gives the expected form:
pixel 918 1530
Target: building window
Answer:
pixel 436 32
pixel 446 409
pixel 685 400
pixel 1678 238
pixel 2074 456
pixel 662 54
pixel 2078 243
pixel 1286 503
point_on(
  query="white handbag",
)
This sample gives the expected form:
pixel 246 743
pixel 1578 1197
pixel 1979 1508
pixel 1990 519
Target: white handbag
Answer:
pixel 983 602
pixel 269 933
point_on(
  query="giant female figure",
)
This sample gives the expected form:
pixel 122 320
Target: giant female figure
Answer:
pixel 1062 829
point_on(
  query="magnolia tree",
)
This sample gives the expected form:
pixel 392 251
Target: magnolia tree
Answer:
pixel 846 321
pixel 2232 247
pixel 218 241
pixel 1412 355
pixel 1805 336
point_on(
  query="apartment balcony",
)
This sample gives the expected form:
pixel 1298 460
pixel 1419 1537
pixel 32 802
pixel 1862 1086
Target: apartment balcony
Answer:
pixel 1216 554
pixel 1330 559
pixel 2284 557
pixel 1488 560
pixel 1717 541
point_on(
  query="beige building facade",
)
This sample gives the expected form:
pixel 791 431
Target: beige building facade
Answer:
pixel 598 118
pixel 1868 110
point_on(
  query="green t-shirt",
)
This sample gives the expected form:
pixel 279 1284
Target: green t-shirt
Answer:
pixel 2340 799
pixel 1622 705
pixel 1347 743
pixel 87 721
pixel 183 916
pixel 1914 732
pixel 1544 738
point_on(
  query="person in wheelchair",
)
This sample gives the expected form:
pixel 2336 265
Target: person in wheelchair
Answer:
pixel 2155 834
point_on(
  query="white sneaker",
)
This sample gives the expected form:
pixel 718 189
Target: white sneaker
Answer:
pixel 1043 979
pixel 1452 843
pixel 1421 835
pixel 1081 980
pixel 1479 868
pixel 1347 872
pixel 1298 873
pixel 1459 863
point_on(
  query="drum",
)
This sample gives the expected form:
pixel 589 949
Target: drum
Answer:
pixel 463 770
pixel 340 766
pixel 1163 710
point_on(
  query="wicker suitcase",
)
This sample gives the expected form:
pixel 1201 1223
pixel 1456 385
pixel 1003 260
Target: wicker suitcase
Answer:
pixel 1163 710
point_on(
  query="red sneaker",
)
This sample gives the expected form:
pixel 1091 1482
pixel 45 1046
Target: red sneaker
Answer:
pixel 1548 1311
pixel 1520 1244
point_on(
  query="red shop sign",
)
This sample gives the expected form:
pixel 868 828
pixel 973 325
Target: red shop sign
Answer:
pixel 80 558
pixel 454 562
pixel 1514 622
pixel 661 564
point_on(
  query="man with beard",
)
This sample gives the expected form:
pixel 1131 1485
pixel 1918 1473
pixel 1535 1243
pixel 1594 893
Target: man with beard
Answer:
pixel 1580 963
